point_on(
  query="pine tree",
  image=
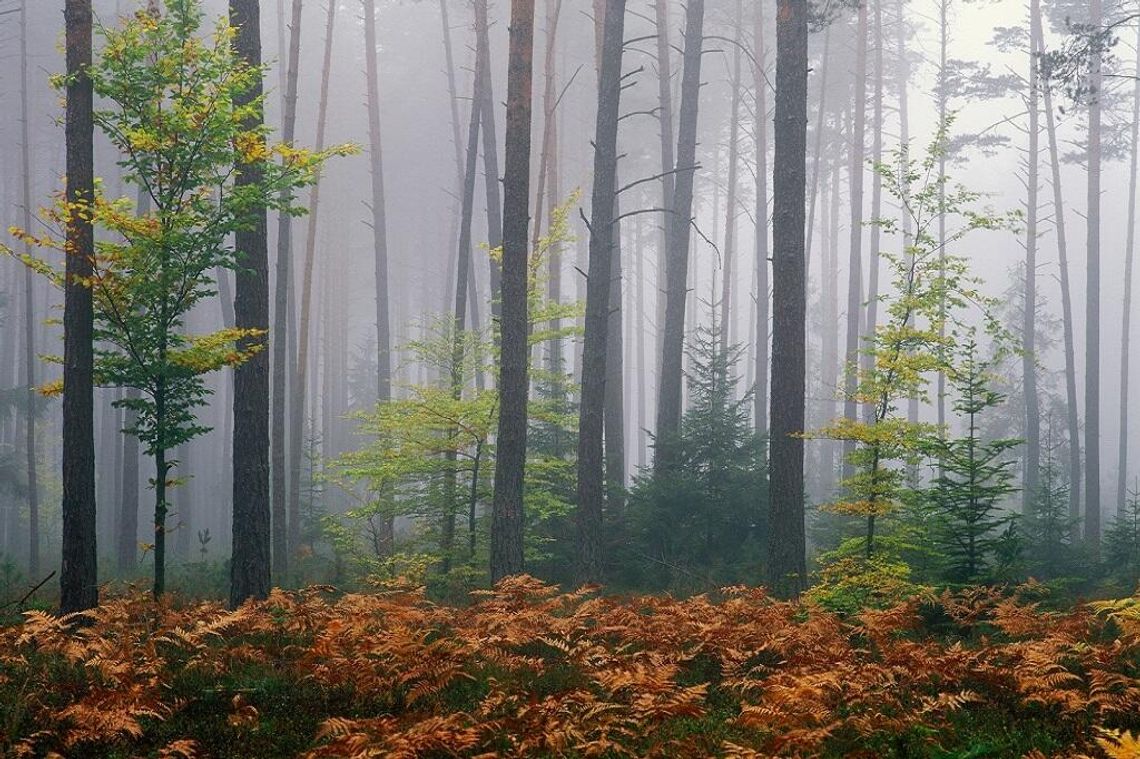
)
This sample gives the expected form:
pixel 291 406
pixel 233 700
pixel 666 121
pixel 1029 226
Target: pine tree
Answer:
pixel 1122 542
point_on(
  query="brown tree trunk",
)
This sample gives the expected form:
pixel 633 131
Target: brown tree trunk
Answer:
pixel 250 566
pixel 679 218
pixel 486 104
pixel 598 282
pixel 1126 327
pixel 876 194
pixel 78 576
pixel 510 461
pixel 279 441
pixel 786 543
pixel 668 164
pixel 726 313
pixel 297 409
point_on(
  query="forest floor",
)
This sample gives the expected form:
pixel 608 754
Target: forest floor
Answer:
pixel 528 670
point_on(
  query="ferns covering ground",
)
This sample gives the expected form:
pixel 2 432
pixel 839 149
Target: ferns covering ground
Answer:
pixel 527 670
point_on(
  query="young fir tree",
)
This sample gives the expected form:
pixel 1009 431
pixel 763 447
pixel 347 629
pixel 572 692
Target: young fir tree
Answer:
pixel 176 120
pixel 1122 543
pixel 1047 528
pixel 974 476
pixel 703 519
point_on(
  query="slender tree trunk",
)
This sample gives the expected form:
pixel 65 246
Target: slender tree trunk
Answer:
pixel 760 85
pixel 817 150
pixel 379 212
pixel 510 461
pixel 903 69
pixel 726 313
pixel 943 98
pixel 549 124
pixel 78 576
pixel 786 543
pixel 1073 410
pixel 486 104
pixel 1092 302
pixel 598 283
pixel 29 311
pixel 279 440
pixel 297 409
pixel 1029 324
pixel 830 358
pixel 876 192
pixel 855 262
pixel 1126 327
pixel 668 178
pixel 250 566
pixel 614 421
pixel 680 217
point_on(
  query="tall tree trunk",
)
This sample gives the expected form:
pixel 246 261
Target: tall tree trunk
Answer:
pixel 726 313
pixel 855 261
pixel 829 363
pixel 876 193
pixel 250 566
pixel 459 316
pixel 1029 323
pixel 817 150
pixel 556 366
pixel 943 97
pixel 598 283
pixel 486 104
pixel 297 409
pixel 278 440
pixel 549 123
pixel 903 70
pixel 786 543
pixel 680 217
pixel 1092 301
pixel 29 311
pixel 760 85
pixel 1126 327
pixel 668 164
pixel 78 576
pixel 379 212
pixel 510 461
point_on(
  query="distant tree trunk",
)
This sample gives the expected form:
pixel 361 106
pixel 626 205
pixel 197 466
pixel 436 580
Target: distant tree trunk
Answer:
pixel 249 568
pixel 486 104
pixel 787 571
pixel 829 363
pixel 943 99
pixel 726 314
pixel 679 217
pixel 510 461
pixel 379 212
pixel 29 311
pixel 78 576
pixel 760 85
pixel 459 317
pixel 855 262
pixel 1029 323
pixel 297 410
pixel 1092 301
pixel 549 123
pixel 668 179
pixel 876 193
pixel 1073 421
pixel 555 361
pixel 903 69
pixel 600 272
pixel 278 440
pixel 817 150
pixel 638 324
pixel 1126 329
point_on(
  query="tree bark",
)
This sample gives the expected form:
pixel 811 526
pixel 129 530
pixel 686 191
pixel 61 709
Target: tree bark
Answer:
pixel 786 543
pixel 726 314
pixel 278 440
pixel 510 462
pixel 679 217
pixel 250 566
pixel 876 193
pixel 486 104
pixel 855 250
pixel 79 573
pixel 1029 324
pixel 668 164
pixel 1092 302
pixel 379 211
pixel 1126 328
pixel 760 85
pixel 297 409
pixel 598 282
pixel 29 311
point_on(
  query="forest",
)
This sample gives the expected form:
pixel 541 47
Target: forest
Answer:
pixel 675 378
